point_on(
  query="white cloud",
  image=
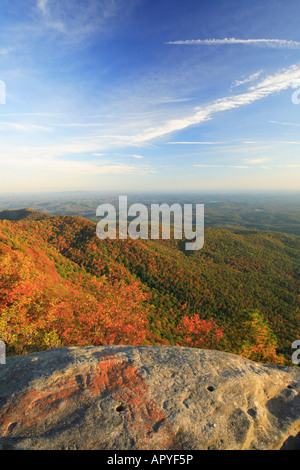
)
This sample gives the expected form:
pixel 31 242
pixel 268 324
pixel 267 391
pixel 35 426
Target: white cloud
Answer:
pixel 78 19
pixel 5 51
pixel 290 165
pixel 270 85
pixel 274 43
pixel 139 130
pixel 222 166
pixel 297 124
pixel 254 161
pixel 42 5
pixel 275 142
pixel 197 143
pixel 251 78
pixel 173 100
pixel 25 127
pixel 53 166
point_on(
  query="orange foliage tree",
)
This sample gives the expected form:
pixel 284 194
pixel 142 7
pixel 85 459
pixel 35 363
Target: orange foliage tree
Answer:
pixel 35 314
pixel 197 333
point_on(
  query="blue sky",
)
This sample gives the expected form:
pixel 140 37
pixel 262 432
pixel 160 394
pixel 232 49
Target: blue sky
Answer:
pixel 154 95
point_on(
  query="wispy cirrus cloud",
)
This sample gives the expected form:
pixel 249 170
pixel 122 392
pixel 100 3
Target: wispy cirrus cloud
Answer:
pixel 290 165
pixel 196 143
pixel 249 79
pixel 76 19
pixel 275 142
pixel 140 129
pixel 43 5
pixel 221 166
pixel 270 85
pixel 297 124
pixel 79 168
pixel 273 43
pixel 25 127
pixel 5 50
pixel 255 161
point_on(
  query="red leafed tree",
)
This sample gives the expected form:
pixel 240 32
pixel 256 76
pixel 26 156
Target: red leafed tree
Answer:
pixel 36 313
pixel 100 314
pixel 197 333
pixel 20 301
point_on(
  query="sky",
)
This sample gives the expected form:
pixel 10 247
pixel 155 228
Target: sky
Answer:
pixel 149 95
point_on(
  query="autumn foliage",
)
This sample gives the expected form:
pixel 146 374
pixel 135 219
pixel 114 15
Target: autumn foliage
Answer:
pixel 34 315
pixel 62 286
pixel 257 341
pixel 199 333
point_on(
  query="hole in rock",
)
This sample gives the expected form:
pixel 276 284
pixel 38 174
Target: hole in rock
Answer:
pixel 120 408
pixel 252 412
pixel 12 426
pixel 210 388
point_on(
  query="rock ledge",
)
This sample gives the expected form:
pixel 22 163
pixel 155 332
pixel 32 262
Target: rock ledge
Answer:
pixel 146 398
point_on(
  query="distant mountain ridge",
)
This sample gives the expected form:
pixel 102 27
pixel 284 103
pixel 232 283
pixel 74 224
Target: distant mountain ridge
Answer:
pixel 20 214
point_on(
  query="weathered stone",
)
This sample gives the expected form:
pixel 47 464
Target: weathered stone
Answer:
pixel 156 397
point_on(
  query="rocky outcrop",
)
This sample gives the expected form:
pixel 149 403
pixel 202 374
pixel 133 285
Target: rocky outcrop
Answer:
pixel 149 397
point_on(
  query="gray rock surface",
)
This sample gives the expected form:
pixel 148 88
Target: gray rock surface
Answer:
pixel 149 397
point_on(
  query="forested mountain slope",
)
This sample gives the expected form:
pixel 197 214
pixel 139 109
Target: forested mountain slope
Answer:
pixel 61 286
